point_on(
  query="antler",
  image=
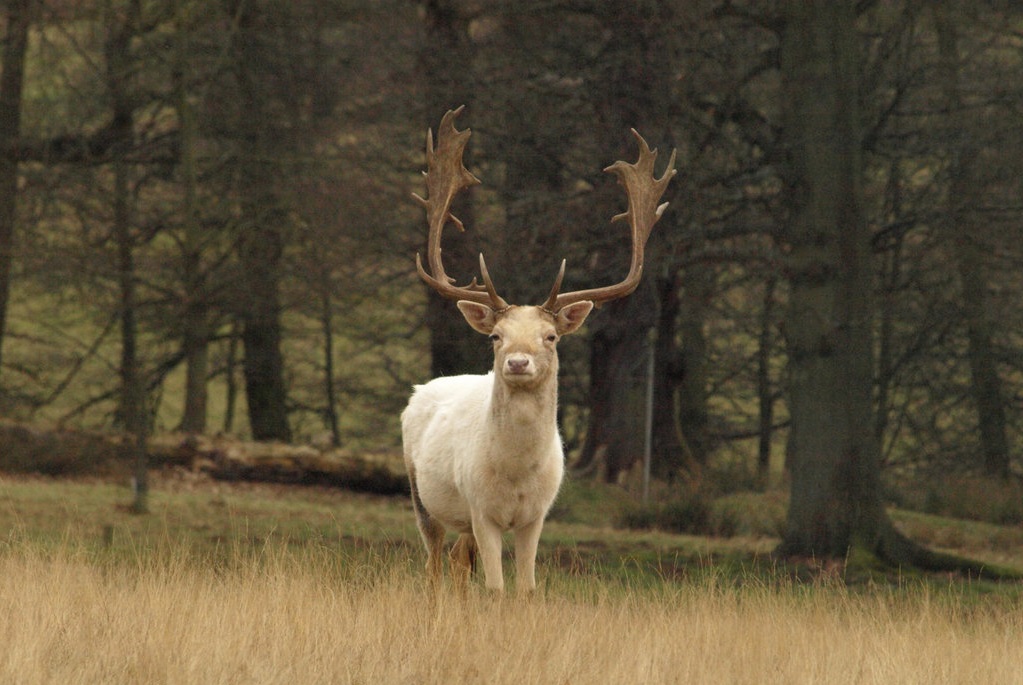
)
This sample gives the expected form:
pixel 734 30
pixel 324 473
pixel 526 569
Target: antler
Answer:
pixel 445 177
pixel 644 192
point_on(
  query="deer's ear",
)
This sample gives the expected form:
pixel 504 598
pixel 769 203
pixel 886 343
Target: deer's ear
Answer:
pixel 571 317
pixel 480 316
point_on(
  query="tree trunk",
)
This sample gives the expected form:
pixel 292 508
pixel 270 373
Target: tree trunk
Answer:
pixel 11 81
pixel 195 341
pixel 626 98
pixel 263 142
pixel 968 252
pixel 133 409
pixel 231 376
pixel 263 363
pixel 671 456
pixel 891 278
pixel 832 453
pixel 765 388
pixel 618 404
pixel 195 328
pixel 694 416
pixel 835 508
pixel 329 386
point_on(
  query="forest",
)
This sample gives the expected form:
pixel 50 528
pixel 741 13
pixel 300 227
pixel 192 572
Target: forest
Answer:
pixel 207 226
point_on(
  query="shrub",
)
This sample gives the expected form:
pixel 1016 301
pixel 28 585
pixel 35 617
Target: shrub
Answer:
pixel 976 498
pixel 687 513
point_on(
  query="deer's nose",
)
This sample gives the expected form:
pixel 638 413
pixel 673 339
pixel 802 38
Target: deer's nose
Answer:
pixel 517 364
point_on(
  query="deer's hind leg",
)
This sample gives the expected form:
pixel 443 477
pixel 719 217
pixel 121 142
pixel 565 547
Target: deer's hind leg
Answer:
pixel 432 532
pixel 463 561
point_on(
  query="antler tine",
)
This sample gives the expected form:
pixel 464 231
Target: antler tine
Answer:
pixel 644 192
pixel 446 176
pixel 552 298
pixel 488 285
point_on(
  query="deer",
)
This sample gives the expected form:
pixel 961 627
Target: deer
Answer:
pixel 483 453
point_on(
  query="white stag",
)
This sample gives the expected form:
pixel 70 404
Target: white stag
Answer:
pixel 483 453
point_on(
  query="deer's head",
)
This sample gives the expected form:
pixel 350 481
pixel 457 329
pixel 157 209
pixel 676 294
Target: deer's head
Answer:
pixel 525 337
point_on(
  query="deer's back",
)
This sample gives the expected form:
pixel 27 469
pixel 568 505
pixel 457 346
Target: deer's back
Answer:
pixel 444 415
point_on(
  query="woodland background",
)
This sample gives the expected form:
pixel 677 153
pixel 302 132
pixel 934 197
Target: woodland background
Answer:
pixel 206 225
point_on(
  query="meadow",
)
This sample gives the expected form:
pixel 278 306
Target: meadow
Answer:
pixel 259 584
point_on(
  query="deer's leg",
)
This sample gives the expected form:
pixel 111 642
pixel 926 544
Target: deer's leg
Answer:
pixel 463 560
pixel 433 535
pixel 432 532
pixel 526 540
pixel 488 542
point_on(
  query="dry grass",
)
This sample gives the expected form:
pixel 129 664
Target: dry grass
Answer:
pixel 256 584
pixel 308 616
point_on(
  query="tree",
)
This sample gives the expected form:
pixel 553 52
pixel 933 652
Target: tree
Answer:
pixel 11 84
pixel 941 147
pixel 832 455
pixel 446 63
pixel 262 140
pixel 195 320
pixel 280 88
pixel 122 26
pixel 835 509
pixel 966 238
pixel 274 146
pixel 625 92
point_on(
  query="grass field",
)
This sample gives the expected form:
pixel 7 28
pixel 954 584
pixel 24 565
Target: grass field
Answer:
pixel 259 584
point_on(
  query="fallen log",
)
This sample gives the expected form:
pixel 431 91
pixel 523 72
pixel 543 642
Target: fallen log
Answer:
pixel 26 448
pixel 64 452
pixel 272 462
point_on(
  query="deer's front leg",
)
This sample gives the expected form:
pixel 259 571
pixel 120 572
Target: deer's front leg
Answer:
pixel 488 545
pixel 526 540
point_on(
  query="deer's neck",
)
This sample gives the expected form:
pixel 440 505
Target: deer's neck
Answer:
pixel 523 415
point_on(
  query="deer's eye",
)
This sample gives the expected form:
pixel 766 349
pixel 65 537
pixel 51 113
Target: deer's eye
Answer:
pixel 494 337
pixel 552 338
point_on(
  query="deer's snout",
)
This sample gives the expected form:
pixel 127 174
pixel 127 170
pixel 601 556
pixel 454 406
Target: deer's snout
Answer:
pixel 518 364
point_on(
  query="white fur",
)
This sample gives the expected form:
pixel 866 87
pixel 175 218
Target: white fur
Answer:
pixel 483 452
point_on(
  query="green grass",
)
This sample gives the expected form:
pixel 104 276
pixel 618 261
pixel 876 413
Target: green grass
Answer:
pixel 203 518
pixel 210 520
